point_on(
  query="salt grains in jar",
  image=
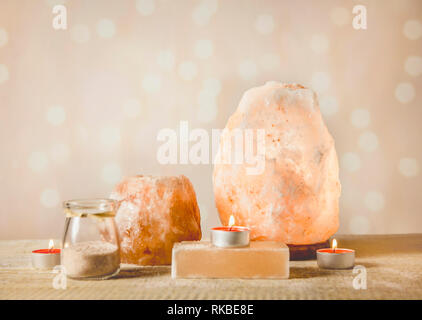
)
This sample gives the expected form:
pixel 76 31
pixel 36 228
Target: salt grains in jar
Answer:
pixel 91 247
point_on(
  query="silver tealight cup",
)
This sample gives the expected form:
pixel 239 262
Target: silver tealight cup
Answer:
pixel 230 237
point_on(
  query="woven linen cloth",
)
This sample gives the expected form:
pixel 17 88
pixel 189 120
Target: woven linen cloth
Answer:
pixel 393 264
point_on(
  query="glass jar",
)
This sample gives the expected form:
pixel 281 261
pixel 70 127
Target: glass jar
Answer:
pixel 91 248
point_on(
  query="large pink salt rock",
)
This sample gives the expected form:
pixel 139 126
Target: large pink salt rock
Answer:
pixel 154 213
pixel 295 198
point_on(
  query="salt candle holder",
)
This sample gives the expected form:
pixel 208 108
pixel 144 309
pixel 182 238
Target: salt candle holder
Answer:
pixel 46 258
pixel 335 258
pixel 230 236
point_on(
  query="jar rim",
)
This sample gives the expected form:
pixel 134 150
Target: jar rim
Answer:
pixel 94 206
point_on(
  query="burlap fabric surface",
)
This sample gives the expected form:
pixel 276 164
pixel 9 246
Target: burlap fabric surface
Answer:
pixel 393 264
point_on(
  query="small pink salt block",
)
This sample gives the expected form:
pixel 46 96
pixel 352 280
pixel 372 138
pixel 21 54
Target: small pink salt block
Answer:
pixel 261 260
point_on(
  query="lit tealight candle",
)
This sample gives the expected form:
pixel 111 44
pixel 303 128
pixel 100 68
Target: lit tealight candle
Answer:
pixel 335 258
pixel 46 258
pixel 230 236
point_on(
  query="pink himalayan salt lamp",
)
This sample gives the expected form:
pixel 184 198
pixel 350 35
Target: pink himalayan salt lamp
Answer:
pixel 295 198
pixel 154 213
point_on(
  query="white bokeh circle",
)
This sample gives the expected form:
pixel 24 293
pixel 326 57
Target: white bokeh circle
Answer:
pixel 166 60
pixel 319 43
pixel 405 92
pixel 320 81
pixel 413 65
pixel 110 136
pixel 50 198
pixel 111 173
pixel 204 48
pixel 38 161
pixel 187 70
pixel 55 115
pixel 328 105
pixel 4 73
pixel 264 23
pixel 368 141
pixel 80 33
pixel 212 85
pixel 412 29
pixel 151 83
pixel 359 224
pixel 106 28
pixel 4 37
pixel 59 153
pixel 247 69
pixel 203 12
pixel 145 7
pixel 132 108
pixel 360 118
pixel 409 167
pixel 374 201
pixel 351 161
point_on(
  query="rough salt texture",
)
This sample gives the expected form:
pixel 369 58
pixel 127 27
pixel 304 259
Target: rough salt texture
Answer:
pixel 295 199
pixel 154 213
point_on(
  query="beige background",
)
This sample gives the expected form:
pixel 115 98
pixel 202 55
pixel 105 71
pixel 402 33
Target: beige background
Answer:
pixel 81 107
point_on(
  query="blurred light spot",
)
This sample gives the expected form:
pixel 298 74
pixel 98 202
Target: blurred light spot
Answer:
pixel 360 118
pixel 368 141
pixel 132 108
pixel 320 82
pixel 359 225
pixel 319 43
pixel 80 33
pixel 247 69
pixel 270 61
pixel 106 28
pixel 187 70
pixel 340 16
pixel 55 115
pixel 203 12
pixel 413 66
pixel 412 29
pixel 4 73
pixel 374 201
pixel 59 153
pixel 409 167
pixel 204 49
pixel 50 198
pixel 38 161
pixel 165 60
pixel 264 24
pixel 405 92
pixel 4 38
pixel 110 136
pixel 328 106
pixel 54 2
pixel 351 162
pixel 207 111
pixel 145 7
pixel 151 83
pixel 212 85
pixel 111 173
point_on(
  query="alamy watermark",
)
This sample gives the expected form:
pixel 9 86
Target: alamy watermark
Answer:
pixel 237 146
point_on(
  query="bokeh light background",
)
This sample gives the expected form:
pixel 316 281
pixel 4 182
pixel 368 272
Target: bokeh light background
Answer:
pixel 81 107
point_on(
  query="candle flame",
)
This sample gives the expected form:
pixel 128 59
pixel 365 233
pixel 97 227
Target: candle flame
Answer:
pixel 51 244
pixel 231 221
pixel 334 244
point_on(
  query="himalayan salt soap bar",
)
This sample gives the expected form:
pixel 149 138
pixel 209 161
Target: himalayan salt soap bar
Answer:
pixel 200 259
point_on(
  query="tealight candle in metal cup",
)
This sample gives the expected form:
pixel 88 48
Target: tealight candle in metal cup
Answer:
pixel 335 258
pixel 230 237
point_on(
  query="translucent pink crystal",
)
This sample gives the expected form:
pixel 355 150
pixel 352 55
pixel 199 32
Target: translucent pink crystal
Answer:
pixel 153 214
pixel 295 199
